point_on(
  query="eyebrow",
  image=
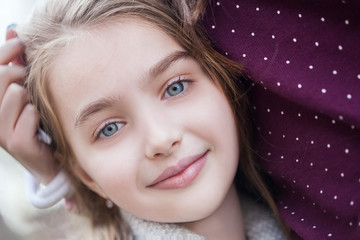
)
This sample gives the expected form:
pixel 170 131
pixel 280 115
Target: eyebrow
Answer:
pixel 104 103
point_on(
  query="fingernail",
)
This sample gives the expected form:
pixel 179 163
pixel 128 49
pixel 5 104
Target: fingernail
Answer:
pixel 10 26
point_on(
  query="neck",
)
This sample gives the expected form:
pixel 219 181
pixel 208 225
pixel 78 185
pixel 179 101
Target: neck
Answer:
pixel 226 221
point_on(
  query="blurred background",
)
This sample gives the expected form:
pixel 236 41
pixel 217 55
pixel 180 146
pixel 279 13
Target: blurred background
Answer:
pixel 19 220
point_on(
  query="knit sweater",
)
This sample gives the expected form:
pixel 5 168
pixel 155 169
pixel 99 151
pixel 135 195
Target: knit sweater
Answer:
pixel 259 224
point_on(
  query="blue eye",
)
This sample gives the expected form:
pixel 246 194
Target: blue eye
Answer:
pixel 109 130
pixel 175 89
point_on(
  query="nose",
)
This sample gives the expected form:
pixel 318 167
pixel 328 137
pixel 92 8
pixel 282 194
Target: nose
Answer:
pixel 162 137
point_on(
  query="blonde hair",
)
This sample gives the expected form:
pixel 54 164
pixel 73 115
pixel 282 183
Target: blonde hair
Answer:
pixel 55 23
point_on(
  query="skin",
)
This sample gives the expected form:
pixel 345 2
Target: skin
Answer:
pixel 156 129
pixel 19 120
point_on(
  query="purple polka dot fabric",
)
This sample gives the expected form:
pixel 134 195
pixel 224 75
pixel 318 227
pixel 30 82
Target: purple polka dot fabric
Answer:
pixel 304 59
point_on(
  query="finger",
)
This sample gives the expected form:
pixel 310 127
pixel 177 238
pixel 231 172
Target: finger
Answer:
pixel 11 107
pixel 39 159
pixel 10 50
pixel 10 32
pixel 8 75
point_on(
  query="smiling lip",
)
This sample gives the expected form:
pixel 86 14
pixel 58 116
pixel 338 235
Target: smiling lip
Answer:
pixel 182 174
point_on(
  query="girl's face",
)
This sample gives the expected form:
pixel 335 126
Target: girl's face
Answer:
pixel 148 128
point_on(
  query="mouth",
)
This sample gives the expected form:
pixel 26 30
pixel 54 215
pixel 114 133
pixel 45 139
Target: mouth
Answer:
pixel 182 174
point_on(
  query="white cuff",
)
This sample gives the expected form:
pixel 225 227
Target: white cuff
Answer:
pixel 51 194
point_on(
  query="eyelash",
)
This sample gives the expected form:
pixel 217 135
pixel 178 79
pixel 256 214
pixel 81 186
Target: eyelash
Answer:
pixel 102 127
pixel 180 79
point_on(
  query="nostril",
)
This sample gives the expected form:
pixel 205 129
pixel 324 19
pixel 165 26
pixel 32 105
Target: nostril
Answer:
pixel 174 143
pixel 157 154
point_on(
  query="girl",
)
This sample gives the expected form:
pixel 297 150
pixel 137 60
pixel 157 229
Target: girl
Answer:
pixel 154 122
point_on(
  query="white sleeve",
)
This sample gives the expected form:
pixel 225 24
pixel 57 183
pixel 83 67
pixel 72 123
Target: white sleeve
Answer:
pixel 49 195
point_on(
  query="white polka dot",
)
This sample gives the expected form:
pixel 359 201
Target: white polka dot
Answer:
pixel 288 62
pixel 340 47
pixel 292 213
pixel 265 58
pixel 268 110
pixel 285 207
pixel 273 36
pixel 282 157
pixel 270 132
pixel 302 219
pixel 311 67
pixel 316 44
pixel 351 203
pixel 350 223
pixel 244 55
pixel 278 83
pixel 213 26
pixel 343 1
pixel 322 19
pixel 352 127
pixel 348 96
pixel 218 3
pixel 257 9
pixel 278 11
pixel 323 90
pixel 282 112
pixel 311 164
pixel 312 142
pixel 341 117
pixel 300 15
pixel 314 226
pixel 333 121
pixel 321 191
pixel 252 34
pixel 329 235
pixel 297 160
pixel 294 39
pixel 269 154
pixel 226 53
pixel 337 217
pixel 328 145
pixel 314 204
pixel 347 22
pixel 307 186
pixel 335 197
pixel 334 72
pixel 232 30
pixel 299 85
pixel 237 6
pixel 297 139
pixel 316 117
pixel 299 114
pixel 346 151
pixel 326 169
pixel 358 76
pixel 342 174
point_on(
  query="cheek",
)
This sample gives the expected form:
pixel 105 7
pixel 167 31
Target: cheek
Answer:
pixel 213 118
pixel 113 168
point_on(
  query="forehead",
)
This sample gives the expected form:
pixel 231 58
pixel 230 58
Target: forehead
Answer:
pixel 114 51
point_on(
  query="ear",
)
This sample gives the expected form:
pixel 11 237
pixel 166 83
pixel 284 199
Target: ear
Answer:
pixel 85 178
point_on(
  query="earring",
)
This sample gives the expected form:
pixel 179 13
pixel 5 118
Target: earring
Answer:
pixel 109 203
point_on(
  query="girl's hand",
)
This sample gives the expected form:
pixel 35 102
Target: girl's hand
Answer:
pixel 19 120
